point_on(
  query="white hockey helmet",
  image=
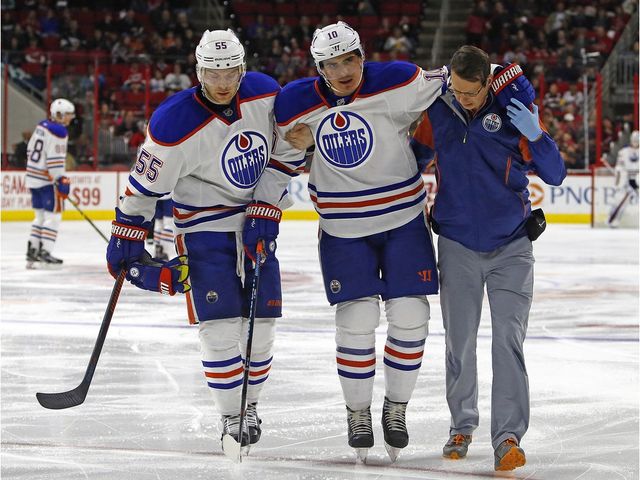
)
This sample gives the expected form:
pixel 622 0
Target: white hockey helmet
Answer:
pixel 334 40
pixel 218 50
pixel 635 139
pixel 61 106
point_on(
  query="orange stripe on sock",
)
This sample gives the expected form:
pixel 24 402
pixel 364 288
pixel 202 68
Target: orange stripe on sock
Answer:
pixel 406 356
pixel 354 363
pixel 231 373
pixel 261 372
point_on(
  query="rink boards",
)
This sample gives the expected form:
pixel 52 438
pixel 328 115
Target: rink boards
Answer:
pixel 97 195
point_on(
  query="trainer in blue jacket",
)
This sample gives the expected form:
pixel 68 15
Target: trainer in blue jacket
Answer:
pixel 482 151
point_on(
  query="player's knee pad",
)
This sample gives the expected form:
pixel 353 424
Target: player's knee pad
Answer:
pixel 408 317
pixel 356 322
pixel 51 219
pixel 220 335
pixel 39 220
pixel 264 330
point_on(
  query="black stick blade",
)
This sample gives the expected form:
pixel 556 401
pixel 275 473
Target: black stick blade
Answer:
pixel 59 401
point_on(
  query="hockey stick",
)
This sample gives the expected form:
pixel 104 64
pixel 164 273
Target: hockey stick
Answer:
pixel 75 397
pixel 231 447
pixel 88 219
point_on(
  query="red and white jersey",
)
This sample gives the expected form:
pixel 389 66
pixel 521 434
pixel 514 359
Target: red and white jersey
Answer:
pixel 209 157
pixel 46 154
pixel 364 177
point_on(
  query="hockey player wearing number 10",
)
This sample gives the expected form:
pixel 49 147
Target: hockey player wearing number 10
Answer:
pixel 208 146
pixel 46 155
pixel 374 241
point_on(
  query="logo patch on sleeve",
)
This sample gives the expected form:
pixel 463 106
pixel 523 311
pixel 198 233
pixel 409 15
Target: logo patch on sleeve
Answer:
pixel 344 139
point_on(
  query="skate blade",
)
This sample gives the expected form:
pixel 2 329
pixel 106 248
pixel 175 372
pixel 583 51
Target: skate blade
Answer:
pixel 232 448
pixel 393 452
pixel 44 266
pixel 361 454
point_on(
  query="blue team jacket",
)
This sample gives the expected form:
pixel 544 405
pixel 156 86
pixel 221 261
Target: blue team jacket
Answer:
pixel 481 169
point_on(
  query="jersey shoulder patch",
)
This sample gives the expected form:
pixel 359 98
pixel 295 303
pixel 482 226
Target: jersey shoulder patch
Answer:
pixel 54 128
pixel 296 98
pixel 381 76
pixel 256 85
pixel 178 117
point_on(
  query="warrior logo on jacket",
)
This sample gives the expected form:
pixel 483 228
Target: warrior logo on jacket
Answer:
pixel 345 139
pixel 244 158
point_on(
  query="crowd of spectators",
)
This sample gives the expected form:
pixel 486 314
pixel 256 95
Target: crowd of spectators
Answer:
pixel 551 45
pixel 151 42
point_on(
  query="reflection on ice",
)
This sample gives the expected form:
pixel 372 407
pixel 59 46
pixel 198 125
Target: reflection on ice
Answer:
pixel 148 414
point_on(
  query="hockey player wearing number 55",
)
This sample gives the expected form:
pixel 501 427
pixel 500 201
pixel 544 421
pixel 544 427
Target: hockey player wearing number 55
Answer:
pixel 483 149
pixel 46 155
pixel 208 146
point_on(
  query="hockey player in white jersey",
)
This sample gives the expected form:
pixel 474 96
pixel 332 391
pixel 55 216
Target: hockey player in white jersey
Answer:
pixel 208 146
pixel 374 241
pixel 626 178
pixel 46 155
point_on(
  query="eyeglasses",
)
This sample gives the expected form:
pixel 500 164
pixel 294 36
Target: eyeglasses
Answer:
pixel 458 93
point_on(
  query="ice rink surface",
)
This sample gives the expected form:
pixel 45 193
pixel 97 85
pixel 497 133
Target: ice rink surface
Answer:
pixel 149 415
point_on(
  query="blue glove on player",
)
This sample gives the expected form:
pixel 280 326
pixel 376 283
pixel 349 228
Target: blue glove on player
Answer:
pixel 63 185
pixel 528 122
pixel 126 245
pixel 262 222
pixel 164 277
pixel 509 82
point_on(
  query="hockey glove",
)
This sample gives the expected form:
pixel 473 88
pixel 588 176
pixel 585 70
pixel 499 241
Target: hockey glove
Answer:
pixel 63 185
pixel 126 245
pixel 509 82
pixel 528 122
pixel 164 277
pixel 261 223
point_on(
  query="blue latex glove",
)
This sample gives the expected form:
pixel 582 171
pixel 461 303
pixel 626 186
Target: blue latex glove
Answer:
pixel 126 245
pixel 509 82
pixel 523 119
pixel 262 223
pixel 63 185
pixel 164 277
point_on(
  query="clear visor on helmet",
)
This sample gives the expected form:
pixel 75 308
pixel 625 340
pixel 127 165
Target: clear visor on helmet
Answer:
pixel 227 76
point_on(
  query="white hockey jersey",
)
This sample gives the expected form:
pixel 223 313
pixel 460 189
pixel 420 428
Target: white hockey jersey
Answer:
pixel 208 157
pixel 627 166
pixel 364 178
pixel 46 154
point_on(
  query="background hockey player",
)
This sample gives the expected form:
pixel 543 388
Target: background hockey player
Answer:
pixel 163 238
pixel 208 146
pixel 626 178
pixel 46 155
pixel 374 242
pixel 483 216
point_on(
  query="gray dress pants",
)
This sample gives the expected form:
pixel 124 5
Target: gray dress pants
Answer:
pixel 507 273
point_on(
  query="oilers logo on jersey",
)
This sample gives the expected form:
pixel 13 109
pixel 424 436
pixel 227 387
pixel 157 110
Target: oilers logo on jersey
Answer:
pixel 244 158
pixel 492 122
pixel 344 139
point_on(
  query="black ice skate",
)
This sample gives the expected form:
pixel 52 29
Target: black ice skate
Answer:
pixel 253 423
pixel 32 257
pixel 360 431
pixel 47 260
pixel 394 427
pixel 231 445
